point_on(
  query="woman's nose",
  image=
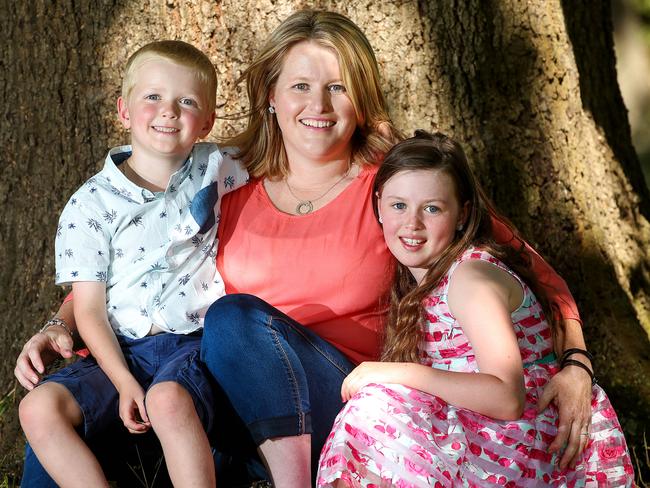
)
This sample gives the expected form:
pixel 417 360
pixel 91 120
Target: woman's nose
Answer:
pixel 320 101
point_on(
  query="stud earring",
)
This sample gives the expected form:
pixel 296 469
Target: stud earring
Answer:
pixel 460 227
pixel 271 109
pixel 380 220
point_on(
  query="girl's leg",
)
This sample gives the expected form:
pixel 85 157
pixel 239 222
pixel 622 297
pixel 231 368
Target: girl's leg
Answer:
pixel 282 379
pixel 180 431
pixel 49 416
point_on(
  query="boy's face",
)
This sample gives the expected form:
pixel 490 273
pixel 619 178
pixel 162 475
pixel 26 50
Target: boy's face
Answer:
pixel 166 111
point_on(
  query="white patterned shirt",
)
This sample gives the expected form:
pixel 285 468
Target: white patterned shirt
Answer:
pixel 155 251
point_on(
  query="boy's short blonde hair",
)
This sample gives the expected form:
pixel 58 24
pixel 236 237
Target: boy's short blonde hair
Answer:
pixel 178 52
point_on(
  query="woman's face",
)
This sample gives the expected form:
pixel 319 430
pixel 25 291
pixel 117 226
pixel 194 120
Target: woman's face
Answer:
pixel 420 213
pixel 315 115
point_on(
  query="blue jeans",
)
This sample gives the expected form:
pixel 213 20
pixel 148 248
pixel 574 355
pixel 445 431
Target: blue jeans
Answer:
pixel 280 378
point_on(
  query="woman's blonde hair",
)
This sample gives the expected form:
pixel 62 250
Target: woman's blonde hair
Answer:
pixel 260 145
pixel 178 52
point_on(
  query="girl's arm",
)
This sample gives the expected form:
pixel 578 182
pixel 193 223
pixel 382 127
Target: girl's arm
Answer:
pixel 95 330
pixel 481 297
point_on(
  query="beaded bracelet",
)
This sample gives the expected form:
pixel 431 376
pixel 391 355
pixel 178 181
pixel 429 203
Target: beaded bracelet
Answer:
pixel 56 321
pixel 573 362
pixel 575 350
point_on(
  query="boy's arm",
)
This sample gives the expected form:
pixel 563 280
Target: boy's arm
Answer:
pixel 95 330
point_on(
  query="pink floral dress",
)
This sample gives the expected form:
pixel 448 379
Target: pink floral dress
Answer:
pixel 393 435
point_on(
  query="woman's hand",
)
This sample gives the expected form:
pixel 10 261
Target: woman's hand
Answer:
pixel 570 390
pixel 369 372
pixel 39 351
pixel 132 408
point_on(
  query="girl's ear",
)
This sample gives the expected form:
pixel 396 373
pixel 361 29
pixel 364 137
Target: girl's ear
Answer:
pixel 378 209
pixel 464 214
pixel 123 113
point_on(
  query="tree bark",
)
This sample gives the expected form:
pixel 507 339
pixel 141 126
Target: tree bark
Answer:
pixel 529 88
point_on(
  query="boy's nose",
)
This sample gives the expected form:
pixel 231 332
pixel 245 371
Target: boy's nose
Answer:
pixel 170 110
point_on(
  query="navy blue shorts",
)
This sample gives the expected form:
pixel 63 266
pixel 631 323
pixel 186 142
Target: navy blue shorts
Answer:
pixel 151 360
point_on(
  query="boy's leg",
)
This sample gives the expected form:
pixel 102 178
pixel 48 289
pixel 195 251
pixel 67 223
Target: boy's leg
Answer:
pixel 50 416
pixel 185 445
pixel 180 407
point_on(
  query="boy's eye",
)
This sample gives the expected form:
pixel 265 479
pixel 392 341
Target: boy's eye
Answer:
pixel 153 96
pixel 399 205
pixel 431 209
pixel 188 101
pixel 336 88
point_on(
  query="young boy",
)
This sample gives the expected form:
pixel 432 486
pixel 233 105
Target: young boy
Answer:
pixel 138 243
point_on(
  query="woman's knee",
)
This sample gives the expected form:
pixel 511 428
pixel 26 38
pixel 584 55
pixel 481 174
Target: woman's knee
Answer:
pixel 46 405
pixel 228 317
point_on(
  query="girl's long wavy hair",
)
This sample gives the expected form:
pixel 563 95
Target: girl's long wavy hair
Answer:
pixel 260 145
pixel 437 152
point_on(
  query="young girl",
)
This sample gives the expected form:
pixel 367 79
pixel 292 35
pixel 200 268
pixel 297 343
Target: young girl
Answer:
pixel 468 351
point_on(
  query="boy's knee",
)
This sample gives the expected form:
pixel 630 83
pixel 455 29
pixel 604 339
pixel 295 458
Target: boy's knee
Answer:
pixel 167 401
pixel 46 405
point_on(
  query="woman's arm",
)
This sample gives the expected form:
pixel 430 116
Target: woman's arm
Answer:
pixel 481 297
pixel 44 347
pixel 569 389
pixel 556 288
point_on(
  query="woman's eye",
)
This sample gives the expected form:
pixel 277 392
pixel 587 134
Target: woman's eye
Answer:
pixel 337 88
pixel 153 96
pixel 301 86
pixel 399 205
pixel 431 209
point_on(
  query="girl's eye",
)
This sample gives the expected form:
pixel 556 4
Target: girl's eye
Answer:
pixel 431 209
pixel 301 86
pixel 399 205
pixel 336 88
pixel 153 96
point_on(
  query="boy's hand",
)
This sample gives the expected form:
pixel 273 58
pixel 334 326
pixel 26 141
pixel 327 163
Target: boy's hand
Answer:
pixel 132 409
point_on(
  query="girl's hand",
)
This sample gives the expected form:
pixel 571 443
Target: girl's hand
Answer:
pixel 369 372
pixel 570 390
pixel 132 409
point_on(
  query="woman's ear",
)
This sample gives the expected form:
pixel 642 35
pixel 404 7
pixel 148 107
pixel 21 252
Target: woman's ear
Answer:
pixel 123 113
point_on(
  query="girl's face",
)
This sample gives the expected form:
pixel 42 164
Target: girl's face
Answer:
pixel 420 213
pixel 313 110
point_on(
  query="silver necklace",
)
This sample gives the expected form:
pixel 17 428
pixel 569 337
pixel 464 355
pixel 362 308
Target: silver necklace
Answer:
pixel 305 207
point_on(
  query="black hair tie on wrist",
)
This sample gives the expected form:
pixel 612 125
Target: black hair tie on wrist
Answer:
pixel 573 362
pixel 575 350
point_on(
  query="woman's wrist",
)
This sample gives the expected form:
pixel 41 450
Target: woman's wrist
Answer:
pixel 56 322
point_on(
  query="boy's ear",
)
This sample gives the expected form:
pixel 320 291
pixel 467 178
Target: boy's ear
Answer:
pixel 123 113
pixel 207 127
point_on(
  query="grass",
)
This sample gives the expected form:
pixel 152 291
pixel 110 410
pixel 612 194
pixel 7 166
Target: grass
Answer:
pixel 639 461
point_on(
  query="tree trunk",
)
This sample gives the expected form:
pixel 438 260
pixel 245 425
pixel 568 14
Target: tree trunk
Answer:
pixel 529 88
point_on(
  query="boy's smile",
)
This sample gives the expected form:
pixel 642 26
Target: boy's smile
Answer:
pixel 166 111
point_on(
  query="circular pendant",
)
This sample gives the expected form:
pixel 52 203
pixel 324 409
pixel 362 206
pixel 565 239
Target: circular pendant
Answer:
pixel 303 208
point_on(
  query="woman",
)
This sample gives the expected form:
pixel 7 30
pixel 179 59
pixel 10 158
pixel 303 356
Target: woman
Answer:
pixel 302 237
